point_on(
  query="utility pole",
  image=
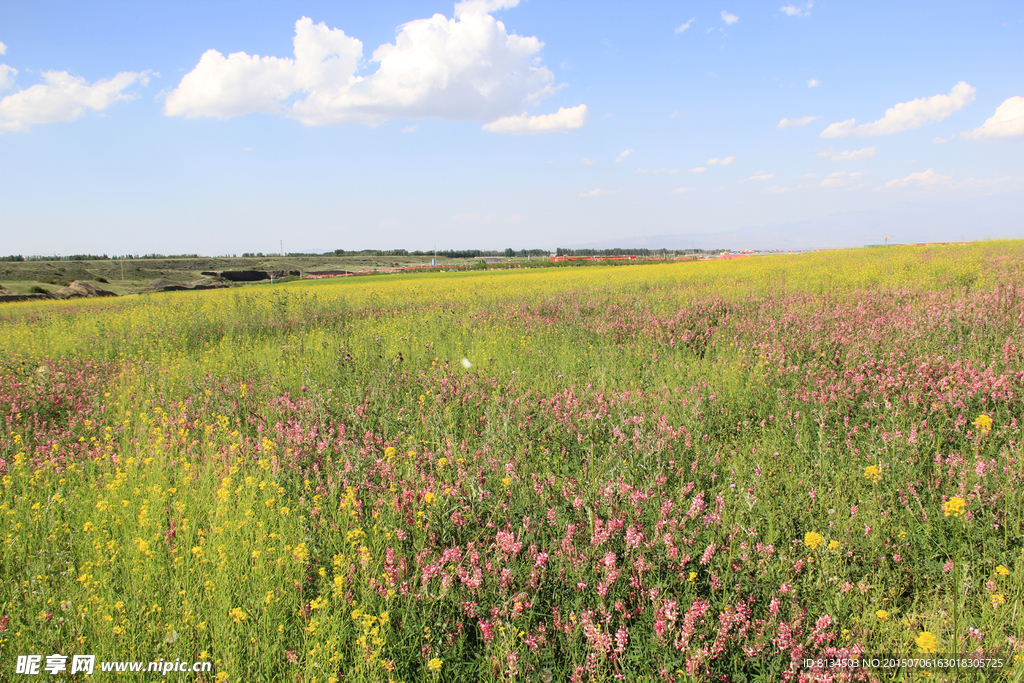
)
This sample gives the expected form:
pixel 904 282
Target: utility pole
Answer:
pixel 282 247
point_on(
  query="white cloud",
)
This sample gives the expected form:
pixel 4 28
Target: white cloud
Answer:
pixel 759 176
pixel 698 169
pixel 641 171
pixel 721 162
pixel 775 189
pixel 465 68
pixel 926 179
pixel 660 170
pixel 789 123
pixel 587 162
pixel 674 115
pixel 410 129
pixel 64 97
pixel 682 190
pixel 841 179
pixel 939 141
pixel 679 29
pixel 622 157
pixel 855 155
pixel 813 83
pixel 597 193
pixel 7 74
pixel 795 11
pixel 562 121
pixel 907 115
pixel 729 18
pixel 3 49
pixel 1008 121
pixel 931 181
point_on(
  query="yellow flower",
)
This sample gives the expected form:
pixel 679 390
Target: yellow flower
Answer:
pixel 813 539
pixel 441 462
pixel 998 599
pixel 833 545
pixel 435 664
pixel 1002 571
pixel 506 482
pixel 428 497
pixel 882 615
pixel 927 642
pixel 954 507
pixel 983 423
pixel 301 552
pixel 238 615
pixel 389 452
pixel 693 577
pixel 873 472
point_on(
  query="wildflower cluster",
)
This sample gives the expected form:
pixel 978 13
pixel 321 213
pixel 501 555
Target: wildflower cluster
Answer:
pixel 684 472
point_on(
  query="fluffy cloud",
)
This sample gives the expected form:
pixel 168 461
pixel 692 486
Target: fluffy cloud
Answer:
pixel 622 157
pixel 795 11
pixel 855 155
pixel 7 74
pixel 926 179
pixel 587 162
pixel 698 169
pixel 721 162
pixel 683 27
pixel 939 141
pixel 597 193
pixel 789 123
pixel 841 179
pixel 729 18
pixel 759 176
pixel 63 97
pixel 465 68
pixel 907 115
pixel 682 190
pixel 1008 121
pixel 562 121
pixel 3 49
pixel 813 83
pixel 931 181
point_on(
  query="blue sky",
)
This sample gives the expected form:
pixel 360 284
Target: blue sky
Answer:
pixel 151 127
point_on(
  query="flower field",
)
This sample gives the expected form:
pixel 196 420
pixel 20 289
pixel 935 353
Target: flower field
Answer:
pixel 677 472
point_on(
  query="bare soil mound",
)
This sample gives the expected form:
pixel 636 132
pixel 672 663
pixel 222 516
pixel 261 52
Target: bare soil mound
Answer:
pixel 162 284
pixel 165 285
pixel 81 289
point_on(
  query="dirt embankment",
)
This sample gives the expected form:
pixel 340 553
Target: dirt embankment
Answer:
pixel 162 284
pixel 78 289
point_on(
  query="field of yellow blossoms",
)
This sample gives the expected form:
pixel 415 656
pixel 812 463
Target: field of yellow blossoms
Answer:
pixel 707 471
